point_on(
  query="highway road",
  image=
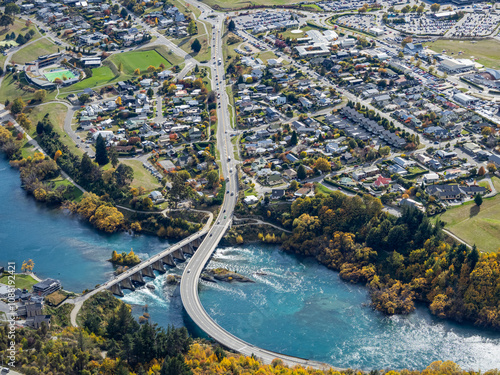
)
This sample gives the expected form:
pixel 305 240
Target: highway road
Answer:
pixel 192 272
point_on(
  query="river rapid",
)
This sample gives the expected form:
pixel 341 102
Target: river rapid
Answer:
pixel 296 306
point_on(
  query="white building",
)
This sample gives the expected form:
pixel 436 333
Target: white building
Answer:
pixel 453 66
pixel 464 99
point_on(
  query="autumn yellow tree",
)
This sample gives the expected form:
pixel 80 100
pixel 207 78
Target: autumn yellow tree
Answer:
pixel 118 101
pixel 323 165
pixel 57 155
pixel 28 265
pixel 136 226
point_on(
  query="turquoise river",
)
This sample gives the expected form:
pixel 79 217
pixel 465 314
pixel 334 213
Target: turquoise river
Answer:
pixel 295 306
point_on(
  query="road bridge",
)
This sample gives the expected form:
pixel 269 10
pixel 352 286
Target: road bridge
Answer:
pixel 192 272
pixel 135 275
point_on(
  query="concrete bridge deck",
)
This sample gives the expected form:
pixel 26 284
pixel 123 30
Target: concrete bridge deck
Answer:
pixel 145 268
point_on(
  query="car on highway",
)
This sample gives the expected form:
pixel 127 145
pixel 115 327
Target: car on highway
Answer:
pixel 189 270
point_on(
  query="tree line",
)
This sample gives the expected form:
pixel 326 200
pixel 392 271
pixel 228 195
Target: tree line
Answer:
pixel 402 259
pixel 111 342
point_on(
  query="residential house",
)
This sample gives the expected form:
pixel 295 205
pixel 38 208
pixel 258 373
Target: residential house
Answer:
pixel 277 194
pixel 289 174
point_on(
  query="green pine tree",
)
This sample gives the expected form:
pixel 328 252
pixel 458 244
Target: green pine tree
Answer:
pixel 101 153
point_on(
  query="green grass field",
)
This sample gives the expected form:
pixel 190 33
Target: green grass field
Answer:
pixel 487 52
pixel 72 194
pixel 264 56
pixel 10 90
pixel 31 52
pixel 22 281
pixel 480 226
pixel 100 76
pixel 142 177
pixel 11 43
pixel 18 27
pixel 138 59
pixel 52 76
pixel 185 44
pixel 57 114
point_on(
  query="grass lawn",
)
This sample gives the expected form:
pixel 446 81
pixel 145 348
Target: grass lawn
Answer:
pixel 250 191
pixel 22 281
pixel 413 170
pixel 168 55
pixel 100 76
pixel 264 56
pixel 484 184
pixel 57 114
pixel 228 50
pixel 31 52
pixel 18 27
pixel 496 183
pixel 487 52
pixel 142 177
pixel 72 194
pixel 11 91
pixel 480 226
pixel 320 188
pixel 138 59
pixel 185 44
pixel 27 150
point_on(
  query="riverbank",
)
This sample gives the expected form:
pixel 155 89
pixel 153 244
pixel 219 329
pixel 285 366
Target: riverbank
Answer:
pixel 61 245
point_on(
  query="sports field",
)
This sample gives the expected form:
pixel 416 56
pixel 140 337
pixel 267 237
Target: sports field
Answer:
pixel 479 226
pixel 138 59
pixel 60 73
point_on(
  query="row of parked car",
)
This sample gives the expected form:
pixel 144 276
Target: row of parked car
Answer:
pixel 152 170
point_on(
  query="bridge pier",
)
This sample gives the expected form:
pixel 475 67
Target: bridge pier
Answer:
pixel 197 242
pixel 116 290
pixel 137 278
pixel 158 266
pixel 169 260
pixel 148 271
pixel 127 284
pixel 188 249
pixel 178 254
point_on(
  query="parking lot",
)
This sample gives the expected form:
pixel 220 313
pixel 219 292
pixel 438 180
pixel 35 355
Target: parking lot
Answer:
pixel 342 5
pixel 474 24
pixel 424 25
pixel 358 22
